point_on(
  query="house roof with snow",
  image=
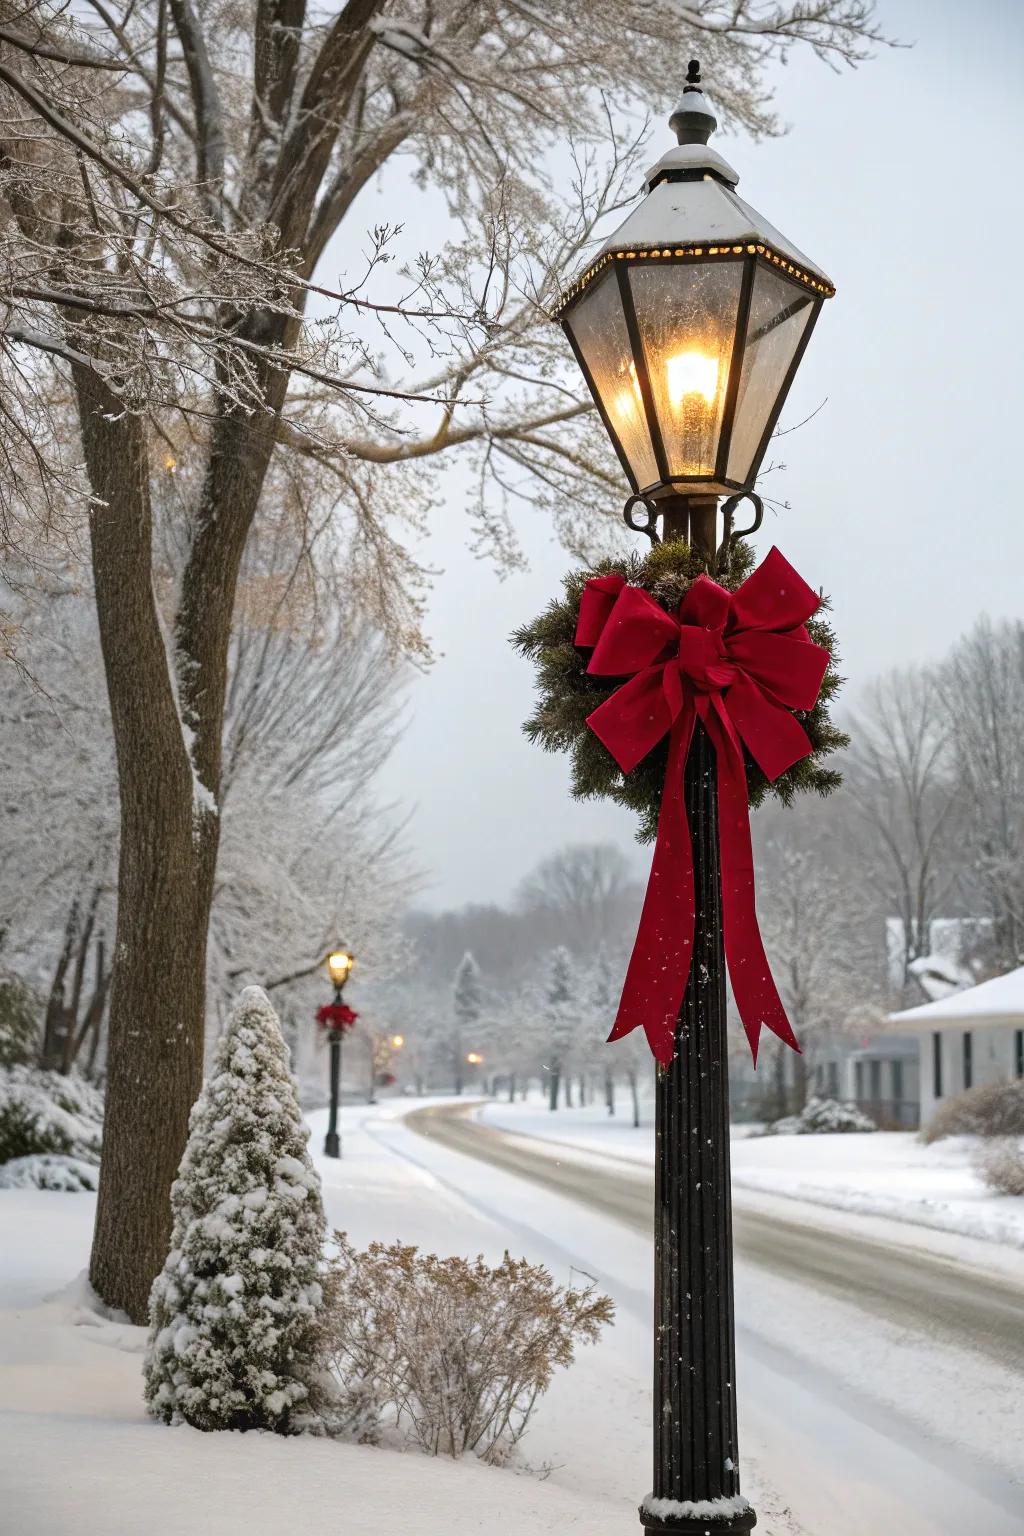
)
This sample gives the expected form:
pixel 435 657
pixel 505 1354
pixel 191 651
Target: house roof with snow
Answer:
pixel 999 1001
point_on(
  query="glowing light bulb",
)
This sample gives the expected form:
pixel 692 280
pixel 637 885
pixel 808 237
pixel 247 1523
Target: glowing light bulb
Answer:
pixel 691 373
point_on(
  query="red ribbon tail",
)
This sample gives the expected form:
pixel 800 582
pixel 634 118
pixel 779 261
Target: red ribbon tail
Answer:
pixel 659 966
pixel 753 986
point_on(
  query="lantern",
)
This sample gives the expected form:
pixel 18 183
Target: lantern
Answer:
pixel 690 323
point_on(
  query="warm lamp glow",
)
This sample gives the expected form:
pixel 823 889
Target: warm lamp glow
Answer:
pixel 475 1059
pixel 339 964
pixel 687 375
pixel 691 373
pixel 397 1041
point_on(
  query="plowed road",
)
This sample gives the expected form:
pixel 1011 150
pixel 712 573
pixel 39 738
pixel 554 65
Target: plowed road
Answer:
pixel 923 1291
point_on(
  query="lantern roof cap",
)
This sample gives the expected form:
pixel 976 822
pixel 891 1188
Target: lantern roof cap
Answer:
pixel 702 213
pixel 688 158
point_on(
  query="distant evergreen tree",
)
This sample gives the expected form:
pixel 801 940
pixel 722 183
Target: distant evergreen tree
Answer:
pixel 234 1313
pixel 561 991
pixel 468 1002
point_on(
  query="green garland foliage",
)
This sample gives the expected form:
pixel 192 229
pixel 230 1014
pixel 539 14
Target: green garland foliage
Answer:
pixel 566 695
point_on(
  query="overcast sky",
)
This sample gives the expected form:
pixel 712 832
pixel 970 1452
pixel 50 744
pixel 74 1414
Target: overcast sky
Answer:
pixel 903 180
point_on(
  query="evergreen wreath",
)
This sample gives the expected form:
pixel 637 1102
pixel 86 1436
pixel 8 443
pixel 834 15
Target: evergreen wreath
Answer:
pixel 566 695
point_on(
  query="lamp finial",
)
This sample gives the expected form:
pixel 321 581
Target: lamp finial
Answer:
pixel 693 121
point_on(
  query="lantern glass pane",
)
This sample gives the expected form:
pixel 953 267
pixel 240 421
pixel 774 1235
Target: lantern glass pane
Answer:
pixel 780 312
pixel 599 330
pixel 686 314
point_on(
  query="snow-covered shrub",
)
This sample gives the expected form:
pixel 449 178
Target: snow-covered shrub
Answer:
pixel 21 1014
pixel 458 1351
pixel 235 1313
pixel 821 1117
pixel 991 1109
pixel 44 1113
pixel 67 1174
pixel 1001 1166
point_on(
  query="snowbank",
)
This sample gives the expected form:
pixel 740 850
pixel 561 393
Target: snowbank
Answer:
pixel 889 1174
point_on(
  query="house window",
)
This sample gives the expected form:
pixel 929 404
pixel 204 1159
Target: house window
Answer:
pixel 968 1059
pixel 937 1065
pixel 833 1071
pixel 1018 1052
pixel 897 1081
pixel 875 1070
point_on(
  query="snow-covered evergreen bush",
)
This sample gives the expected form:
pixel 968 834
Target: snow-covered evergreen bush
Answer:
pixel 48 1114
pixel 21 1018
pixel 234 1315
pixel 47 1171
pixel 821 1117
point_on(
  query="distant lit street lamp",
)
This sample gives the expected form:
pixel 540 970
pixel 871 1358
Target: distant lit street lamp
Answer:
pixel 689 326
pixel 336 1018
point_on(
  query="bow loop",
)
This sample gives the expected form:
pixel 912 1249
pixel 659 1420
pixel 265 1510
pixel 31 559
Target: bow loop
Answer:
pixel 636 633
pixel 773 597
pixel 596 603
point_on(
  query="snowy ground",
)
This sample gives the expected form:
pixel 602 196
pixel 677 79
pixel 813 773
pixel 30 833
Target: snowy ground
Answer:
pixel 845 1426
pixel 78 1453
pixel 886 1173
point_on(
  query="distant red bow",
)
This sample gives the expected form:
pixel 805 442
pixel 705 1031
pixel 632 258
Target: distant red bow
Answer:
pixel 738 662
pixel 336 1016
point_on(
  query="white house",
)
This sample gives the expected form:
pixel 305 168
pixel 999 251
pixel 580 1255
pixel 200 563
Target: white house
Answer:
pixel 968 1037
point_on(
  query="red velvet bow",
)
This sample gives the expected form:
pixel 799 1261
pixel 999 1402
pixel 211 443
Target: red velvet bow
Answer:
pixel 739 662
pixel 336 1016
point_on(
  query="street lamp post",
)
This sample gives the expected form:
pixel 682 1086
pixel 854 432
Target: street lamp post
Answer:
pixel 339 968
pixel 689 326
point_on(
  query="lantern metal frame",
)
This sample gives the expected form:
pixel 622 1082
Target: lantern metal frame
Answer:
pixel 753 257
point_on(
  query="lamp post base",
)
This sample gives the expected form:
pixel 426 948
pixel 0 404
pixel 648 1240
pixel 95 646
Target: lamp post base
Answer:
pixel 689 1525
pixel 332 1145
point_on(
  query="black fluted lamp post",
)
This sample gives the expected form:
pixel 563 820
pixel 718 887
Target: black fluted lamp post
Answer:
pixel 339 968
pixel 689 326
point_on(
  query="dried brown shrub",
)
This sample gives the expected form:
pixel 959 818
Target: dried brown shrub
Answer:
pixel 991 1109
pixel 453 1350
pixel 1002 1167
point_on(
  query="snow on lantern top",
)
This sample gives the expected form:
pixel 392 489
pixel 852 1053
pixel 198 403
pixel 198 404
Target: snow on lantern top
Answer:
pixel 690 323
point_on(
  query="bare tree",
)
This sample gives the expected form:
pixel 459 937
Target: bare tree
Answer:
pixel 982 691
pixel 173 177
pixel 810 936
pixel 898 775
pixel 587 891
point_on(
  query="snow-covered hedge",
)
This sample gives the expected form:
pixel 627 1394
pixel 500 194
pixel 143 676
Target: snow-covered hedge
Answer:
pixel 67 1174
pixel 47 1115
pixel 454 1352
pixel 821 1117
pixel 234 1315
pixel 991 1109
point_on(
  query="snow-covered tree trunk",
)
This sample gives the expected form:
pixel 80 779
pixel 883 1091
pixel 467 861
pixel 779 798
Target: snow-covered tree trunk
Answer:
pixel 235 1311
